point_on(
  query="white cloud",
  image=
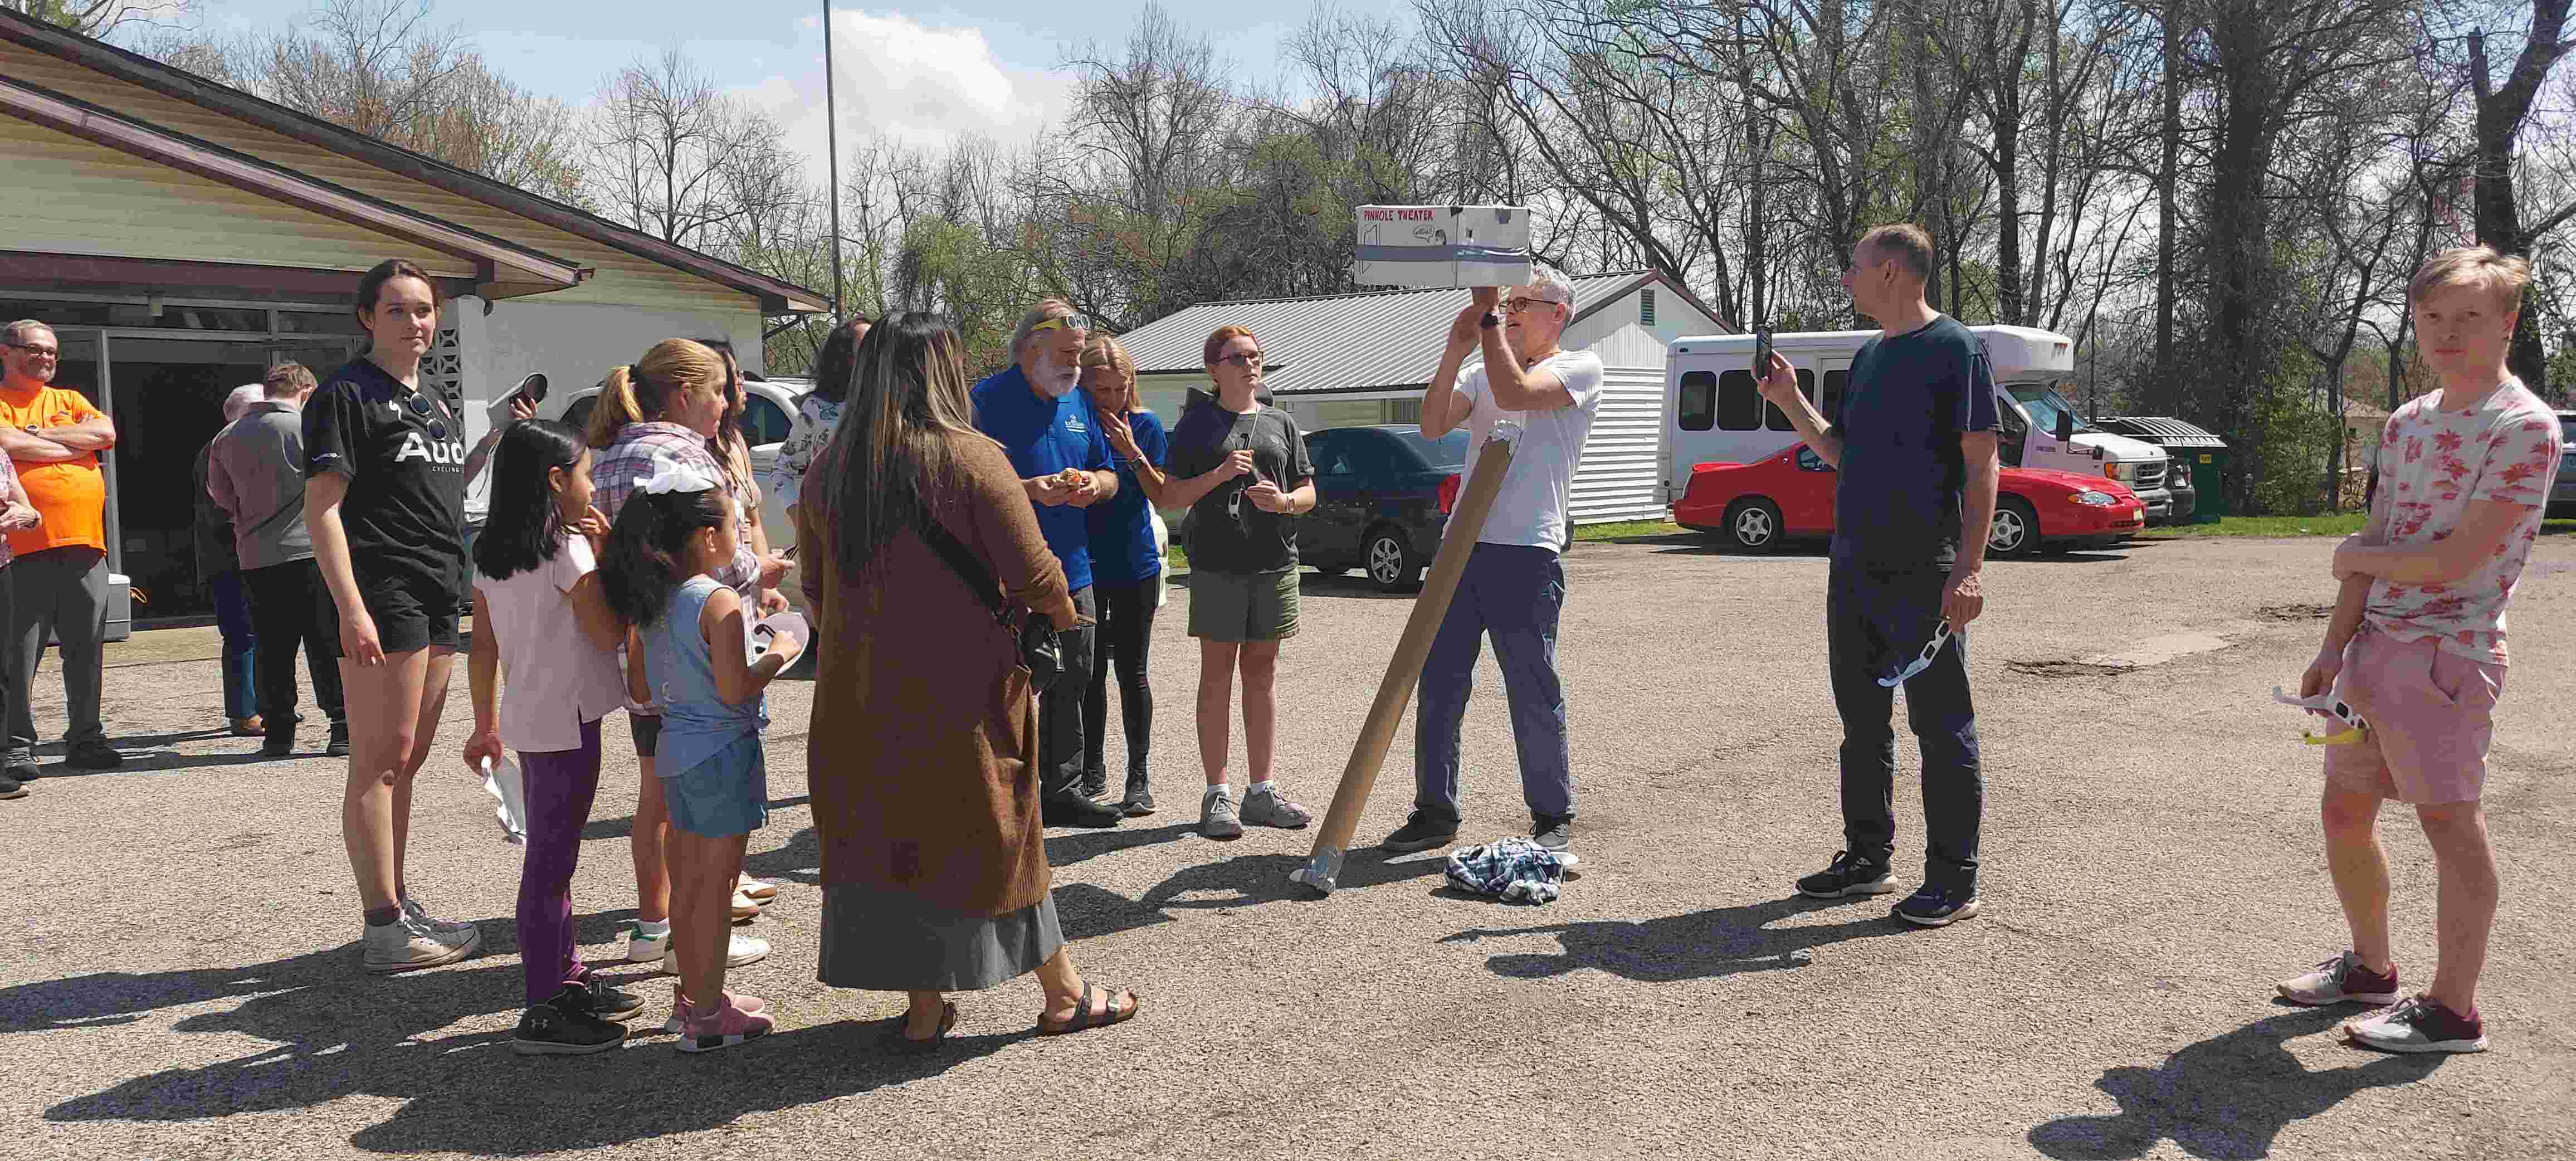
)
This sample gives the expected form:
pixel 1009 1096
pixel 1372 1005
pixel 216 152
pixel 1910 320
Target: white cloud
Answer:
pixel 903 79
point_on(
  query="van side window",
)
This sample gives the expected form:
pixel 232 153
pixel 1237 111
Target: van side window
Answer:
pixel 1697 407
pixel 1831 402
pixel 1739 403
pixel 1778 420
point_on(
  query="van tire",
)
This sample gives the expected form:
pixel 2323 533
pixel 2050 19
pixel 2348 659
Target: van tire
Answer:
pixel 1388 560
pixel 2015 531
pixel 1753 525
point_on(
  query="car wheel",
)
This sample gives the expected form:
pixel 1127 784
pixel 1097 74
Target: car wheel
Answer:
pixel 2015 531
pixel 1392 564
pixel 1753 525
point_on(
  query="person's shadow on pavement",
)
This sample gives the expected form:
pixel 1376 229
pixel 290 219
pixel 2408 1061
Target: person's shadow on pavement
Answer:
pixel 1722 941
pixel 336 1033
pixel 2225 1098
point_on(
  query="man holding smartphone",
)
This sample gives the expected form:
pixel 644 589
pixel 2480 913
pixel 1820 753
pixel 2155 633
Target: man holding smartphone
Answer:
pixel 1914 442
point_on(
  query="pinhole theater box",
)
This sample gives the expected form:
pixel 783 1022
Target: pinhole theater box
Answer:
pixel 1443 246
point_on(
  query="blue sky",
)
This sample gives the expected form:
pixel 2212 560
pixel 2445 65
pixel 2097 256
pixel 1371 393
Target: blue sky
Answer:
pixel 917 72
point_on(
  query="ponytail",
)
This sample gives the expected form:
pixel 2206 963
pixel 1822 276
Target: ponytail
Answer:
pixel 640 565
pixel 616 408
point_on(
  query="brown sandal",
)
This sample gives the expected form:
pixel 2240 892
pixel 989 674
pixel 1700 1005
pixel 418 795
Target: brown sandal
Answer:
pixel 1087 1017
pixel 903 1041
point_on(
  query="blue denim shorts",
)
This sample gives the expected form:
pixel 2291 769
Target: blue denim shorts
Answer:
pixel 727 794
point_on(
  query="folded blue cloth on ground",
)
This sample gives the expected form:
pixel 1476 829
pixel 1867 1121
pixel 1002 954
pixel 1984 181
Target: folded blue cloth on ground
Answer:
pixel 1518 870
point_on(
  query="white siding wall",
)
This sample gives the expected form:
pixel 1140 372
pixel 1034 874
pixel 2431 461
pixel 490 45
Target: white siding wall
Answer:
pixel 575 343
pixel 1618 478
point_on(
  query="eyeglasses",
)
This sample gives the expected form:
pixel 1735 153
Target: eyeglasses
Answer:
pixel 39 352
pixel 1524 302
pixel 1923 659
pixel 420 407
pixel 1063 322
pixel 1241 359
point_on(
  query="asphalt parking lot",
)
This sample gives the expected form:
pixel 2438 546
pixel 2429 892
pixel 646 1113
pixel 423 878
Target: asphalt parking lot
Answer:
pixel 179 979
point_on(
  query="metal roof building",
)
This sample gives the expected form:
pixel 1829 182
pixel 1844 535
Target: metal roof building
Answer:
pixel 1346 360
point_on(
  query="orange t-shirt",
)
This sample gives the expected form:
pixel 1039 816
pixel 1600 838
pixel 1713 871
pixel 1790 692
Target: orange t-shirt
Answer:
pixel 70 494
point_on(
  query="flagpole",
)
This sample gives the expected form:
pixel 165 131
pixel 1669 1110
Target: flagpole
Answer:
pixel 832 137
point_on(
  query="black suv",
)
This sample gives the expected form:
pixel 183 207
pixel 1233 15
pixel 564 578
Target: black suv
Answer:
pixel 2562 496
pixel 1382 494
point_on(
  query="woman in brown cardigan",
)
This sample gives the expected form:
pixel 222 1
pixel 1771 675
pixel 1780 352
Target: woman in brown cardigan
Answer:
pixel 923 753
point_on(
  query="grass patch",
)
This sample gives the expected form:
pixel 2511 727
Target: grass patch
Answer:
pixel 1627 530
pixel 2339 524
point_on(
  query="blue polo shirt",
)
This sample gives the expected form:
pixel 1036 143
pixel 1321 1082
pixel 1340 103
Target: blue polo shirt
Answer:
pixel 1043 438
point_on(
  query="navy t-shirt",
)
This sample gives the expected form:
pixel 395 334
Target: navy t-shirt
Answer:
pixel 1044 437
pixel 1909 399
pixel 1122 530
pixel 404 455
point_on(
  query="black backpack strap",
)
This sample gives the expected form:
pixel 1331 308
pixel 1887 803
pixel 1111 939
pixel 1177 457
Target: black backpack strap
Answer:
pixel 962 561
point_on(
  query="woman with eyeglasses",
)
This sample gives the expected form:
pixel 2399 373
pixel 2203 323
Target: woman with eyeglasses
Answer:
pixel 384 500
pixel 1240 467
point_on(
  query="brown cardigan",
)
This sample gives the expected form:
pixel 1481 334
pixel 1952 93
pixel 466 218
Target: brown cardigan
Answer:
pixel 922 757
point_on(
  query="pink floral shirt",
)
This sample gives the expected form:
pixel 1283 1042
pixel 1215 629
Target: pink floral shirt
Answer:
pixel 2432 464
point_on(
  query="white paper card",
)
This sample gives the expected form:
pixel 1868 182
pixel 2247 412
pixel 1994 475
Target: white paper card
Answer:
pixel 1442 246
pixel 509 789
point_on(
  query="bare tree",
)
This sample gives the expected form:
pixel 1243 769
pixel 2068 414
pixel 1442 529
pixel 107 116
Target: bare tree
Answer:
pixel 666 148
pixel 2501 112
pixel 106 18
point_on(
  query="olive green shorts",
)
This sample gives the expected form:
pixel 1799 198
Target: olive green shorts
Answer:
pixel 1242 607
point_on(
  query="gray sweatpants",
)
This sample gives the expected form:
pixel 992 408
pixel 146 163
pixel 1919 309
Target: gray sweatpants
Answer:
pixel 62 591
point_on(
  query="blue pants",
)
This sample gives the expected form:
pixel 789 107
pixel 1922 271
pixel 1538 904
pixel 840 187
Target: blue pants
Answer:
pixel 1514 593
pixel 241 646
pixel 1876 619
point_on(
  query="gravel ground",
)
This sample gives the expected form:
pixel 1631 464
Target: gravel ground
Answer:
pixel 180 980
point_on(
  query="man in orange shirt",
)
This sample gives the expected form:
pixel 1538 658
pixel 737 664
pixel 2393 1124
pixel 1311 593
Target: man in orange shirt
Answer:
pixel 58 581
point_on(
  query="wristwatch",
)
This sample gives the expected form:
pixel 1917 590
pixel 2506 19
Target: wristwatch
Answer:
pixel 1490 321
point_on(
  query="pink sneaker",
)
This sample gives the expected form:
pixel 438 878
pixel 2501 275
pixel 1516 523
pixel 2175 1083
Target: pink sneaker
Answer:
pixel 725 1024
pixel 747 1005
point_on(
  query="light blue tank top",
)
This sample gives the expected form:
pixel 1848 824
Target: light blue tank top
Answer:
pixel 695 722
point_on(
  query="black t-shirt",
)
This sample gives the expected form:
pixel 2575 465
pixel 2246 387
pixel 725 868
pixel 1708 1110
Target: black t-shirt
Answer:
pixel 1910 397
pixel 1227 532
pixel 404 456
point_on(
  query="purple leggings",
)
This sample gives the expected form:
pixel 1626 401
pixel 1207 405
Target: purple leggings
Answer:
pixel 560 784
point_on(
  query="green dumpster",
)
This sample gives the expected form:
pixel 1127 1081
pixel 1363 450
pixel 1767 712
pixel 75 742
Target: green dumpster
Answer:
pixel 2198 459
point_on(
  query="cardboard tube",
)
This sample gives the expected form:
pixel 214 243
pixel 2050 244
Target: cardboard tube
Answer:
pixel 1404 670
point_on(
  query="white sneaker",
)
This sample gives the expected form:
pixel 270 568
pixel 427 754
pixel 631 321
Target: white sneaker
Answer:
pixel 756 890
pixel 414 908
pixel 642 948
pixel 744 906
pixel 740 949
pixel 407 943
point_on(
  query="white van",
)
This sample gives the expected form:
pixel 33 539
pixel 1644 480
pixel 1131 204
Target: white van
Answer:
pixel 1717 415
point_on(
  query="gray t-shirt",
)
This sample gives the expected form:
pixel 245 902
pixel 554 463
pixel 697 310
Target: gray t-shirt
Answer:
pixel 1228 534
pixel 1532 508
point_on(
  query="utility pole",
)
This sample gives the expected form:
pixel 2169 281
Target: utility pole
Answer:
pixel 832 140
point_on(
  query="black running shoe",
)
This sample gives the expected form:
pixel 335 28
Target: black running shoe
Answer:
pixel 1552 832
pixel 9 787
pixel 339 747
pixel 594 997
pixel 545 1031
pixel 1931 906
pixel 1848 876
pixel 1421 832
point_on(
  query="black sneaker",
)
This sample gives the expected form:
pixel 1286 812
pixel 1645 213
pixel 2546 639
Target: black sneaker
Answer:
pixel 9 787
pixel 1095 783
pixel 1140 797
pixel 1081 812
pixel 1848 876
pixel 592 997
pixel 339 747
pixel 1421 832
pixel 277 747
pixel 545 1031
pixel 1931 906
pixel 1552 832
pixel 25 769
pixel 95 755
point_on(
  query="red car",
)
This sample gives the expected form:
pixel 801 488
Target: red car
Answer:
pixel 1755 506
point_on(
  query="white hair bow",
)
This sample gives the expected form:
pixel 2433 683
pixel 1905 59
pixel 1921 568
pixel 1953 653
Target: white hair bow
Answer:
pixel 671 475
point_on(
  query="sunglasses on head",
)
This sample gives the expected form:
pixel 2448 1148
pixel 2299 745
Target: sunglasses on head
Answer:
pixel 1063 322
pixel 1923 657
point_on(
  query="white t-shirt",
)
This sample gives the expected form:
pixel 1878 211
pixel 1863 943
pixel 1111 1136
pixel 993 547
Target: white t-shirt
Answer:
pixel 1531 509
pixel 554 678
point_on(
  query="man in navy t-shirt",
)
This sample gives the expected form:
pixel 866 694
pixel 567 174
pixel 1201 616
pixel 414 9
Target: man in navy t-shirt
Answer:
pixel 1914 441
pixel 1056 446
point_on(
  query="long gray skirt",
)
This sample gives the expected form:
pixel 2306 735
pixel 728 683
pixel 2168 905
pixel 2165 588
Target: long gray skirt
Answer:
pixel 891 941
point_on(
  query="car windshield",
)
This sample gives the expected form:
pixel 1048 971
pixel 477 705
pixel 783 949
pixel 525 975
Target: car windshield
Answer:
pixel 2044 405
pixel 1448 451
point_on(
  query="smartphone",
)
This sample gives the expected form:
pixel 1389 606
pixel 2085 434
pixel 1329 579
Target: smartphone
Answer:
pixel 1761 354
